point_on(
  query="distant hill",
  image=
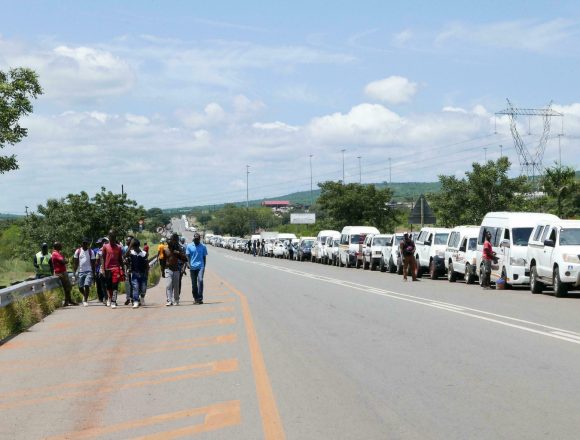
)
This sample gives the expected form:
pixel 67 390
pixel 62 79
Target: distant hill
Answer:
pixel 403 191
pixel 8 216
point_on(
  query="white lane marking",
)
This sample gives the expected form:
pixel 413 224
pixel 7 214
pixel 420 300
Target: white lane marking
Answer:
pixel 555 332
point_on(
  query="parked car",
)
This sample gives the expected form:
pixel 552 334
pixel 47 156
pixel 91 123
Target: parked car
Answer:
pixel 332 247
pixel 373 251
pixel 328 249
pixel 279 249
pixel 320 243
pixel 351 244
pixel 460 254
pixel 305 248
pixel 391 255
pixel 554 256
pixel 510 234
pixel 431 244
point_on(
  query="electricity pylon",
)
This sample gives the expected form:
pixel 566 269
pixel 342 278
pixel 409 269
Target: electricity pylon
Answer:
pixel 530 162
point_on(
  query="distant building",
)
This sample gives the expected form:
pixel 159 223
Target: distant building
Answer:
pixel 277 205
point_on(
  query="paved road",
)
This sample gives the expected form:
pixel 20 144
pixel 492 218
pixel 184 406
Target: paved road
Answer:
pixel 301 351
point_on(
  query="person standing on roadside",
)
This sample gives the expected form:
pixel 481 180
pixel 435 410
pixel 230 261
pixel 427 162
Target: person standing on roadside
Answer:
pixel 487 258
pixel 139 266
pixel 146 249
pixel 59 265
pixel 161 256
pixel 43 263
pixel 112 268
pixel 173 254
pixel 84 266
pixel 197 255
pixel 407 249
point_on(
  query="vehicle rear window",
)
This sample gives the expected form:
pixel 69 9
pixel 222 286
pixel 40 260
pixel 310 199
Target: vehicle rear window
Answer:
pixel 521 236
pixel 381 241
pixel 570 237
pixel 441 238
pixel 472 244
pixel 357 239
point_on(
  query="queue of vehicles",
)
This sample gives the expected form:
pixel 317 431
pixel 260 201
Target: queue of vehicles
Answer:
pixel 531 249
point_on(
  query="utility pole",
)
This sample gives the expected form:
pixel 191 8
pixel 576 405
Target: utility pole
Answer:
pixel 359 171
pixel 247 186
pixel 26 209
pixel 311 195
pixel 343 150
pixel 485 154
pixel 560 149
pixel 390 175
pixel 122 190
pixel 500 150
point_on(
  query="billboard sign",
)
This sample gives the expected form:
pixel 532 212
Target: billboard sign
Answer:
pixel 303 219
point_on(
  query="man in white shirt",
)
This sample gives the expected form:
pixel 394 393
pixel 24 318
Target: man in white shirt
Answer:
pixel 84 266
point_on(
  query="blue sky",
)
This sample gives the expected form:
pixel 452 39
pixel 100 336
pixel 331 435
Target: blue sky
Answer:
pixel 194 91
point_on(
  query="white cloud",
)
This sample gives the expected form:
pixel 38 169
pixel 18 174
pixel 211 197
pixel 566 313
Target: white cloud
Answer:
pixel 403 37
pixel 212 114
pixel 71 73
pixel 394 90
pixel 527 35
pixel 274 126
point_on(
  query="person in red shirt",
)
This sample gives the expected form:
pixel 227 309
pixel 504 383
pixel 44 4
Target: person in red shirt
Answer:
pixel 111 267
pixel 59 265
pixel 487 258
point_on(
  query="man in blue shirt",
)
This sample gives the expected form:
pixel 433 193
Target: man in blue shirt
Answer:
pixel 196 253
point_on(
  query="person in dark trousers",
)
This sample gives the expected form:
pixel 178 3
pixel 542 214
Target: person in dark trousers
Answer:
pixel 197 254
pixel 173 253
pixel 407 248
pixel 100 278
pixel 59 264
pixel 139 266
pixel 487 258
pixel 112 268
pixel 43 262
pixel 254 246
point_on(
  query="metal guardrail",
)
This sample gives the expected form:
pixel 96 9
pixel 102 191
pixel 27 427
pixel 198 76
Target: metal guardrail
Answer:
pixel 29 288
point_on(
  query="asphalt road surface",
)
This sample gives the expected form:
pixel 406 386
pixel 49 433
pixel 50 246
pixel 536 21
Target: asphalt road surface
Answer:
pixel 283 349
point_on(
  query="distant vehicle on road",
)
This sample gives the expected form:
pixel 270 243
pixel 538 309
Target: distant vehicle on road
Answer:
pixel 351 244
pixel 431 244
pixel 554 256
pixel 373 251
pixel 318 248
pixel 305 248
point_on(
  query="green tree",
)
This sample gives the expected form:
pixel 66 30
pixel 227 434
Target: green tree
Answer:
pixel 562 191
pixel 17 87
pixel 155 217
pixel 485 188
pixel 356 204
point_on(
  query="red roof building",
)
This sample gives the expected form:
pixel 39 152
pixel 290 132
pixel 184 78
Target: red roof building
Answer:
pixel 276 204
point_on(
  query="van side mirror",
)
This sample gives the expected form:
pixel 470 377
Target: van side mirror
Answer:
pixel 427 243
pixel 549 243
pixel 505 243
pixel 462 249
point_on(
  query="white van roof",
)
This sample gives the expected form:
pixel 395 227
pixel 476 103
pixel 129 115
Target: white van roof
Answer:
pixel 349 230
pixel 527 218
pixel 285 236
pixel 327 233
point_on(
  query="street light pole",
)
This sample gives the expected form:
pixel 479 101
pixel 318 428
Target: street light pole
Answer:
pixel 311 196
pixel 359 171
pixel 247 186
pixel 343 150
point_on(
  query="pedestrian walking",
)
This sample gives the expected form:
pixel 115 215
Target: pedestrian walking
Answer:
pixel 84 266
pixel 407 249
pixel 99 277
pixel 59 265
pixel 487 257
pixel 172 255
pixel 43 263
pixel 112 268
pixel 126 262
pixel 139 266
pixel 182 264
pixel 161 256
pixel 197 256
pixel 254 246
pixel 146 249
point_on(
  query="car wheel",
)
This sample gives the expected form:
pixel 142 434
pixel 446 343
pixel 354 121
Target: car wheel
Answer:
pixel 373 265
pixel 535 285
pixel 451 275
pixel 469 278
pixel 560 289
pixel 504 276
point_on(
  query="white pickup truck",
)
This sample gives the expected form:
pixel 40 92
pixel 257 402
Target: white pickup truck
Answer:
pixel 554 256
